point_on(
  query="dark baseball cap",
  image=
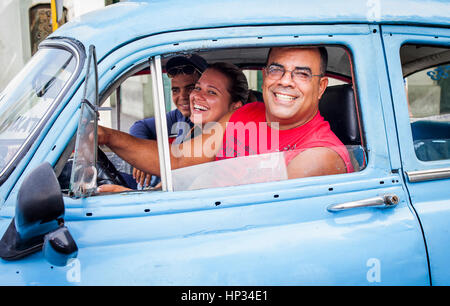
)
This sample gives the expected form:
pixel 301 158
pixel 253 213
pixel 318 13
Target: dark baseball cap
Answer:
pixel 192 60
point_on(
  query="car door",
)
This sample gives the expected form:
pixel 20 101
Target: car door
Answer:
pixel 418 59
pixel 287 232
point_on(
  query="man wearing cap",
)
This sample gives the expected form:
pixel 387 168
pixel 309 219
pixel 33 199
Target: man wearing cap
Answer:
pixel 184 71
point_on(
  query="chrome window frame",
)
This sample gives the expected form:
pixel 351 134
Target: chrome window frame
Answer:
pixel 162 135
pixel 428 175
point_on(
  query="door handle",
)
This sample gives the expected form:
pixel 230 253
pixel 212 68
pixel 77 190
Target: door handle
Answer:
pixel 386 200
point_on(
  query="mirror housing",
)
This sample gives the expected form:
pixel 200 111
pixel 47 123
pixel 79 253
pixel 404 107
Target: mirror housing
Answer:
pixel 59 247
pixel 39 203
pixel 38 218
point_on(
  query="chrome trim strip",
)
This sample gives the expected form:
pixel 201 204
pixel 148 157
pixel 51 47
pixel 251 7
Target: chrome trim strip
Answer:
pixel 428 175
pixel 31 138
pixel 162 135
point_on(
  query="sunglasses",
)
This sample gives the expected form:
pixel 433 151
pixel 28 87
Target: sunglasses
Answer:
pixel 184 69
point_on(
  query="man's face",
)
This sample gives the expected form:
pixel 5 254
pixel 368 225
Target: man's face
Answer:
pixel 293 102
pixel 182 85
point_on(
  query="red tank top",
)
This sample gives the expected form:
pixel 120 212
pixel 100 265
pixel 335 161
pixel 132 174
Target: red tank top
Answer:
pixel 247 133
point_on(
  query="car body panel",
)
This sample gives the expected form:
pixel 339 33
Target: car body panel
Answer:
pixel 229 243
pixel 430 198
pixel 144 18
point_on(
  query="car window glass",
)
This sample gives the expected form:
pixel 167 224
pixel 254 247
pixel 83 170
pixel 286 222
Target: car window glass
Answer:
pixel 25 102
pixel 428 93
pixel 231 172
pixel 133 112
pixel 269 167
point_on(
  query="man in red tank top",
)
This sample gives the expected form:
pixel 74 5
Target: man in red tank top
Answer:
pixel 289 120
pixel 291 100
pixel 247 133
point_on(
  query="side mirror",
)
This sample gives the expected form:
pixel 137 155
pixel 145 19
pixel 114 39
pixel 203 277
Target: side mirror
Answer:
pixel 38 222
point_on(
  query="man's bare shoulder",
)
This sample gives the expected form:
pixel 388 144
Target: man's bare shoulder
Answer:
pixel 315 162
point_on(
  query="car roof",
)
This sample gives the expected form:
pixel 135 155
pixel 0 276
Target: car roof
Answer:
pixel 127 21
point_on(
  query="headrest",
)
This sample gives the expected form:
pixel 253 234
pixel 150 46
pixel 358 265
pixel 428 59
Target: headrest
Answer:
pixel 338 107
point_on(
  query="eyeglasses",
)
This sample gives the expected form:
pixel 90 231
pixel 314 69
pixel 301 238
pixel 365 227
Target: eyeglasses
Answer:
pixel 276 72
pixel 184 69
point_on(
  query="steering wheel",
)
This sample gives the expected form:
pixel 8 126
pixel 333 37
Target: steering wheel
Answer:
pixel 107 172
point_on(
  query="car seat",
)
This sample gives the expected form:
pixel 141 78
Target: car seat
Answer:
pixel 338 107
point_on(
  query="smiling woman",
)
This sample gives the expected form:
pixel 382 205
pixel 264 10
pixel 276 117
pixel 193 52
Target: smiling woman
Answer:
pixel 222 88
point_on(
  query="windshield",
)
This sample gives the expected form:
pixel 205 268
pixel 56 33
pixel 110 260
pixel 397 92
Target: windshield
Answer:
pixel 28 98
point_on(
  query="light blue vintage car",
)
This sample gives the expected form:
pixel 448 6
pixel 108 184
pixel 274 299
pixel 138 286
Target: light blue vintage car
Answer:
pixel 386 223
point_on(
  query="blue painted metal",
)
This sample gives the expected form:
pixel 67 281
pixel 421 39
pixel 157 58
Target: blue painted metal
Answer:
pixel 136 19
pixel 15 177
pixel 252 237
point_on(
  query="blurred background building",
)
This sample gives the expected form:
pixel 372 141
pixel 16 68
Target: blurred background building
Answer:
pixel 25 23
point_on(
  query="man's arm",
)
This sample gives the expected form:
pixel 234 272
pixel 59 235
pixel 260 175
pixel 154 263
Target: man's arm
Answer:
pixel 143 153
pixel 146 129
pixel 135 151
pixel 316 162
pixel 202 148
